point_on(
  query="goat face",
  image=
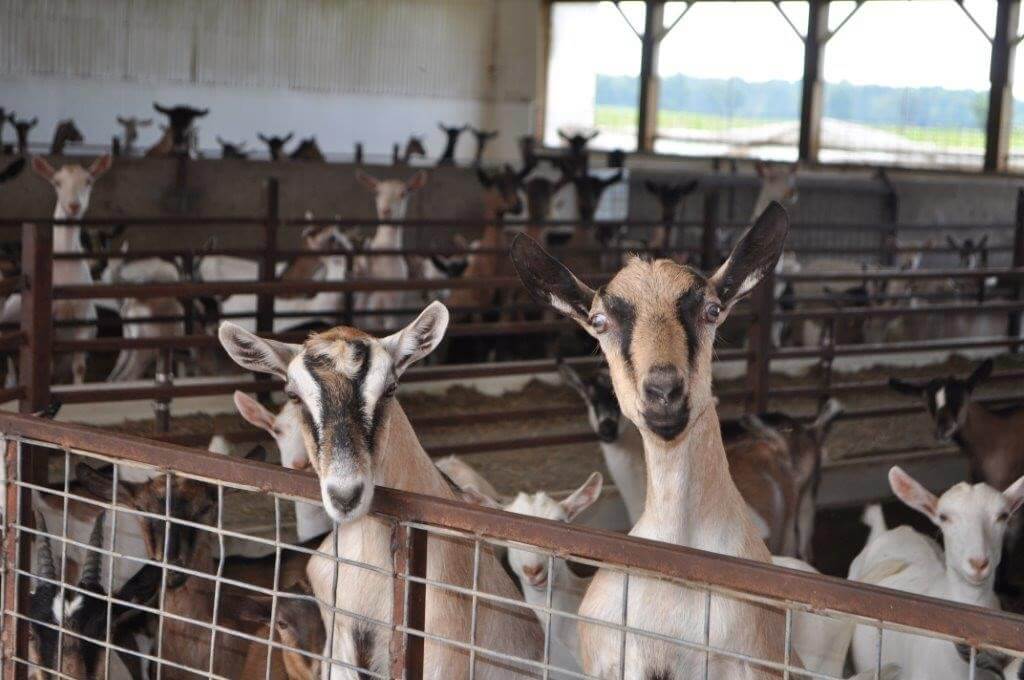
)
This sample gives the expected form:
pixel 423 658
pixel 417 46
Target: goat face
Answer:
pixel 946 398
pixel 778 183
pixel 599 395
pixel 391 196
pixel 190 501
pixel 972 518
pixel 656 321
pixel 73 183
pixel 343 381
pixel 501 191
pixel 78 613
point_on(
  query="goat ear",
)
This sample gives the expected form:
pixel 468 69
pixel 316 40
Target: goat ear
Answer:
pixel 42 168
pixel 952 243
pixel 1015 495
pixel 756 254
pixel 471 494
pixel 980 375
pixel 583 497
pixel 904 387
pixel 571 377
pixel 255 353
pixel 367 180
pixel 910 491
pixel 417 181
pixel 102 486
pixel 419 338
pixel 550 282
pixel 100 165
pixel 254 412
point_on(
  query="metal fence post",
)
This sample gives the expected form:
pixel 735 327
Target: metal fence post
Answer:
pixel 759 345
pixel 709 241
pixel 887 241
pixel 268 267
pixel 409 548
pixel 35 372
pixel 1017 283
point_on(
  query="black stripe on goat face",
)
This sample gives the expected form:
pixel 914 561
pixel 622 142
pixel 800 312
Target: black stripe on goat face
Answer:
pixel 343 384
pixel 82 615
pixel 946 400
pixel 192 502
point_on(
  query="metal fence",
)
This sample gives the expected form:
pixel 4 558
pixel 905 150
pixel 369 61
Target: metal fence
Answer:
pixel 208 598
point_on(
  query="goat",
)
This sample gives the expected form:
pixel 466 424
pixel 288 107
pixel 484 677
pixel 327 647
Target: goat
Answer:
pixel 187 547
pixel 73 186
pixel 275 145
pixel 230 150
pixel 163 146
pixel 670 198
pixel 311 520
pixel 307 150
pixel 391 199
pixel 181 120
pixel 297 625
pixel 773 459
pixel 972 519
pixel 131 127
pixel 655 323
pixel 577 142
pixel 482 138
pixel 452 134
pixel 65 133
pixel 464 476
pixel 344 381
pixel 993 440
pixel 531 568
pixel 991 665
pixel 22 129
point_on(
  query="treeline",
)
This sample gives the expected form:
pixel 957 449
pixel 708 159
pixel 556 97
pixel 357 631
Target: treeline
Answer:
pixel 779 99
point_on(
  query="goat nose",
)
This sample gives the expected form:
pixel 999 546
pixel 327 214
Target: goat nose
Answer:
pixel 978 564
pixel 73 208
pixel 344 499
pixel 663 385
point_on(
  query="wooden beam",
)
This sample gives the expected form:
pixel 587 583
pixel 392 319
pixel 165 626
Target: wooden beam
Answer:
pixel 812 100
pixel 654 23
pixel 1000 99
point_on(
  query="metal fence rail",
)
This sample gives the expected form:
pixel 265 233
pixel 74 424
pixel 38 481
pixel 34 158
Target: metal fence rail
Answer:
pixel 413 522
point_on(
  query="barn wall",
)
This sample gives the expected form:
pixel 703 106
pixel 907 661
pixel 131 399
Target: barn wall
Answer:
pixel 373 71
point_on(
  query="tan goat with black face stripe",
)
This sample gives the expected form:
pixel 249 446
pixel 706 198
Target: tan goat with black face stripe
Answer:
pixel 656 323
pixel 357 435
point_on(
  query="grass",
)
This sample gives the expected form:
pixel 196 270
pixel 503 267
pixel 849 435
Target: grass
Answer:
pixel 624 119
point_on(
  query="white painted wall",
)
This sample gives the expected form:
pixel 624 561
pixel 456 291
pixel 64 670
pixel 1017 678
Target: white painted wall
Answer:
pixel 373 71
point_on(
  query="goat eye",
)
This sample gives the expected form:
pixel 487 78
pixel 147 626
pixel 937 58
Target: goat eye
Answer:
pixel 292 397
pixel 599 322
pixel 1003 516
pixel 712 312
pixel 390 390
pixel 943 517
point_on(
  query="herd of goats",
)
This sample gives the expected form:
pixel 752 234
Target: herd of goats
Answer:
pixel 745 488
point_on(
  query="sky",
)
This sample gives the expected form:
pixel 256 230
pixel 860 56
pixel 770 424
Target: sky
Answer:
pixel 899 44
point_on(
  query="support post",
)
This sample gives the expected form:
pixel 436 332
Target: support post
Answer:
pixel 416 614
pixel 647 129
pixel 760 345
pixel 1017 283
pixel 35 372
pixel 268 266
pixel 999 123
pixel 709 230
pixel 812 98
pixel 887 241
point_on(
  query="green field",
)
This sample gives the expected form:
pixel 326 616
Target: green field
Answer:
pixel 623 118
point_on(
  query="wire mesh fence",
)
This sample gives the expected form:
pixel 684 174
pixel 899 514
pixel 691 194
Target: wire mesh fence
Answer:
pixel 132 557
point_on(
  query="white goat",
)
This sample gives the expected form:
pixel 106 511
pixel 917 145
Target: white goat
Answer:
pixel 73 186
pixel 531 568
pixel 973 519
pixel 391 198
pixel 310 520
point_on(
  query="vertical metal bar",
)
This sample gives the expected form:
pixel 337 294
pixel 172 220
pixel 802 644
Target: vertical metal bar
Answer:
pixel 163 576
pixel 760 345
pixel 400 564
pixel 709 232
pixel 548 597
pixel 625 624
pixel 999 123
pixel 36 359
pixel 16 555
pixel 268 266
pixel 276 587
pixel 891 216
pixel 812 98
pixel 110 575
pixel 647 128
pixel 1017 284
pixel 789 643
pixel 707 634
pixel 473 605
pixel 219 578
pixel 417 604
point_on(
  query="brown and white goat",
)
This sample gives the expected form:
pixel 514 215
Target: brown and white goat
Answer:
pixel 357 435
pixel 297 625
pixel 655 323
